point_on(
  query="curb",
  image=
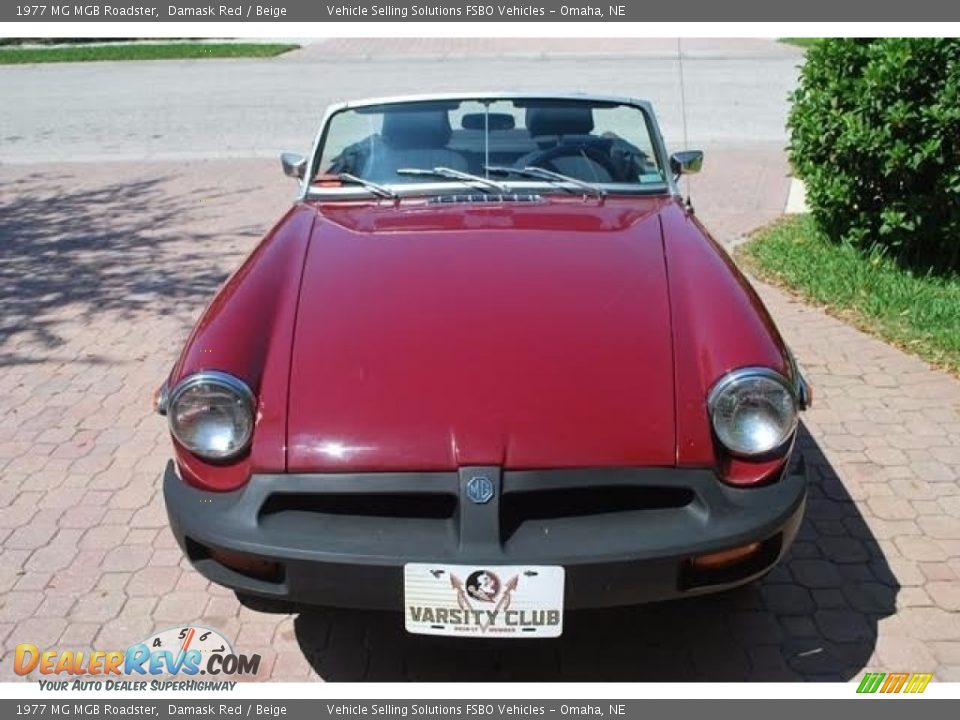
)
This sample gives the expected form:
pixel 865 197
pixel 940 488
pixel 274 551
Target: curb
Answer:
pixel 796 198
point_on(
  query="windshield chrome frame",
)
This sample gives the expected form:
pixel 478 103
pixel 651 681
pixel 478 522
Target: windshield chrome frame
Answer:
pixel 307 192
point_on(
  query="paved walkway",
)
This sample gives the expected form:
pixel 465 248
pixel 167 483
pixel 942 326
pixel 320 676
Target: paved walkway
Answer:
pixel 103 269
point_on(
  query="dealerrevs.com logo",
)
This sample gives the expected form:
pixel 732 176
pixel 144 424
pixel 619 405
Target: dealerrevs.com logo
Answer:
pixel 181 651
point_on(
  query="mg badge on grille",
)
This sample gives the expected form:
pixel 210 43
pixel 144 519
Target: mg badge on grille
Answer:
pixel 480 489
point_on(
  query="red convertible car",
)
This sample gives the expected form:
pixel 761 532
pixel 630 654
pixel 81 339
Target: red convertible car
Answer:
pixel 489 367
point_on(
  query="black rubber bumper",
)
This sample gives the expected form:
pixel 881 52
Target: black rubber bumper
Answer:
pixel 623 535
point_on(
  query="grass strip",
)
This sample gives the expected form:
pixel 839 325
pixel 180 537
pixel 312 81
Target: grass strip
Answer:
pixel 917 312
pixel 139 51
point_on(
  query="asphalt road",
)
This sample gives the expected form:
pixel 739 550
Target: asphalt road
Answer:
pixel 203 109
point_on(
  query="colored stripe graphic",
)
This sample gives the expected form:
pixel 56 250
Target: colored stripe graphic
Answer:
pixel 918 682
pixel 870 682
pixel 894 682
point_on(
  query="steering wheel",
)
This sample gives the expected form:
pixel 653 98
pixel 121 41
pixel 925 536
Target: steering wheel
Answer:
pixel 545 158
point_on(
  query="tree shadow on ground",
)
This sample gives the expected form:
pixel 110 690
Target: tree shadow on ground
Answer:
pixel 72 250
pixel 814 617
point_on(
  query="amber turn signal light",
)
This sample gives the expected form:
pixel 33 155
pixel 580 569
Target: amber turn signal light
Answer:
pixel 725 558
pixel 247 564
pixel 160 398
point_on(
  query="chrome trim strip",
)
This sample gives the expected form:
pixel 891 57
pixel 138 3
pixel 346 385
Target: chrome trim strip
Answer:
pixel 424 190
pixel 496 95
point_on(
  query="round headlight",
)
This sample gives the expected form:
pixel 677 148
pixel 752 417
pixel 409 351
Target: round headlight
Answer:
pixel 211 414
pixel 753 411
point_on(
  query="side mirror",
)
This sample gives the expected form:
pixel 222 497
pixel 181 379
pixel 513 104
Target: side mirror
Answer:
pixel 294 165
pixel 687 162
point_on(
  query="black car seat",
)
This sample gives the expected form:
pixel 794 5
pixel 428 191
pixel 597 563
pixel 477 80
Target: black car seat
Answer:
pixel 548 125
pixel 412 139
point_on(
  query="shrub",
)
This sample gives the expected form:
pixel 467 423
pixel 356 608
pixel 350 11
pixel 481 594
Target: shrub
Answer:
pixel 875 135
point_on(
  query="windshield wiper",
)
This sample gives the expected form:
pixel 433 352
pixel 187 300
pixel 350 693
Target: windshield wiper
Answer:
pixel 446 172
pixel 376 189
pixel 544 174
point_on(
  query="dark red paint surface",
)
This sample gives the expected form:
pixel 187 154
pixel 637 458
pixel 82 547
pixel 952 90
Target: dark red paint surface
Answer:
pixel 427 337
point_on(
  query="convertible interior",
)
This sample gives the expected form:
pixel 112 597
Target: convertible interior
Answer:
pixel 559 138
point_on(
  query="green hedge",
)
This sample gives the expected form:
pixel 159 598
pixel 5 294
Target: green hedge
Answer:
pixel 875 135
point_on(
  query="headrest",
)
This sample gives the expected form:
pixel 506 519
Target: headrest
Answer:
pixel 416 129
pixel 479 121
pixel 560 120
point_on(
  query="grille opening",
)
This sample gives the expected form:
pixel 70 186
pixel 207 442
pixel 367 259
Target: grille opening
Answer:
pixel 693 577
pixel 429 506
pixel 517 508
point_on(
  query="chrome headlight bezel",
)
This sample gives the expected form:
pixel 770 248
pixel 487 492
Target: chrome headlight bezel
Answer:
pixel 223 381
pixel 728 383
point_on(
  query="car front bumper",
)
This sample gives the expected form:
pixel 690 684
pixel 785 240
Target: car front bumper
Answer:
pixel 623 535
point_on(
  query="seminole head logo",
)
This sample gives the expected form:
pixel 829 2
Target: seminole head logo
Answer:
pixel 483 585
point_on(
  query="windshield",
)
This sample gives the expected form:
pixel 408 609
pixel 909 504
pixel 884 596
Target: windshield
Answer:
pixel 606 144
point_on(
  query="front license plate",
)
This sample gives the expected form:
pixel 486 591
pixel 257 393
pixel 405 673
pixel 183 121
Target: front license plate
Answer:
pixel 513 601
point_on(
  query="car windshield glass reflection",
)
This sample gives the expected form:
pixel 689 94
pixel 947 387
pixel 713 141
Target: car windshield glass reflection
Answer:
pixel 493 144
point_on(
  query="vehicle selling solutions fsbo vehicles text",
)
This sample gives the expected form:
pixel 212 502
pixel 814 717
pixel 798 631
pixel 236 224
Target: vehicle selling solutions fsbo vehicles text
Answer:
pixel 474 709
pixel 345 10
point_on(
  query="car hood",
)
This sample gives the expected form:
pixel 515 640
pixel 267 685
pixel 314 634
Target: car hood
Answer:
pixel 431 337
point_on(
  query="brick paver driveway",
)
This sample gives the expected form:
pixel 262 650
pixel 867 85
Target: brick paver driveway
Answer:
pixel 103 268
